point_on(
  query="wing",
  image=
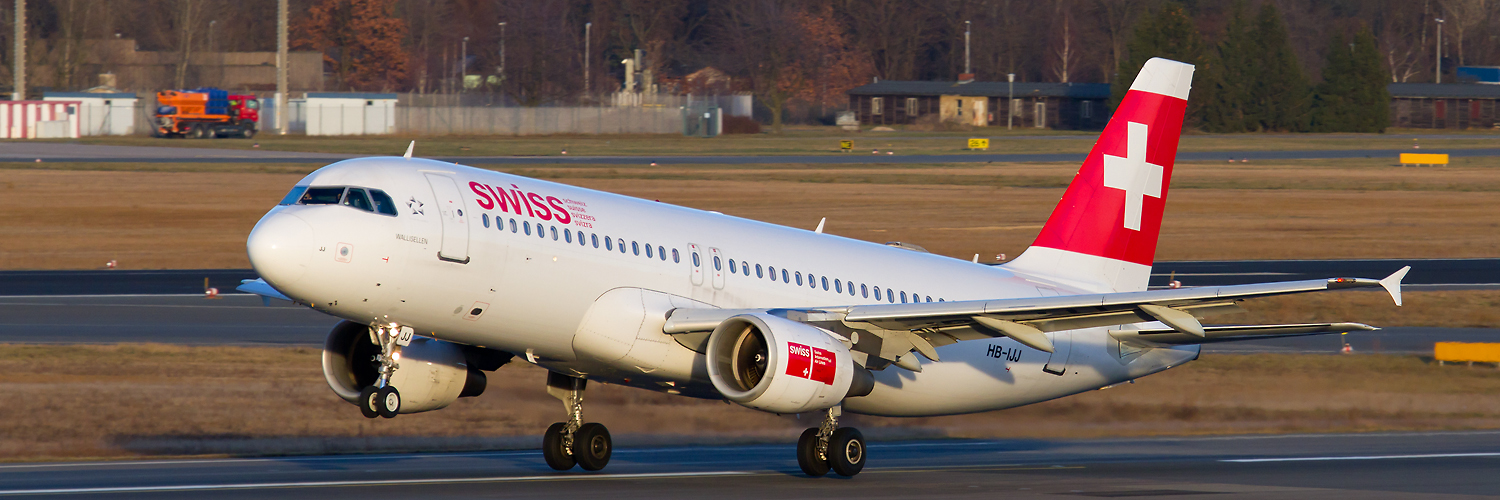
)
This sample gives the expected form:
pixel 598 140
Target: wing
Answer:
pixel 923 326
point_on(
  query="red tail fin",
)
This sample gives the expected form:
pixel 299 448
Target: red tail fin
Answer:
pixel 1103 233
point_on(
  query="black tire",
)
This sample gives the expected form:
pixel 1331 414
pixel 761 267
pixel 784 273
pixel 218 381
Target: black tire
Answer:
pixel 592 446
pixel 846 451
pixel 807 454
pixel 198 131
pixel 388 401
pixel 247 132
pixel 552 448
pixel 367 402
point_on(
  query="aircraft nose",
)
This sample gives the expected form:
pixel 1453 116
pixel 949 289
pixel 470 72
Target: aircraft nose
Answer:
pixel 280 248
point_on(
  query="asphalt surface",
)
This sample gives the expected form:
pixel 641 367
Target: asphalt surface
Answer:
pixel 1376 466
pixel 88 153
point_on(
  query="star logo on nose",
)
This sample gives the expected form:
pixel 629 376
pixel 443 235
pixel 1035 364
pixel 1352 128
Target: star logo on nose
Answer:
pixel 415 205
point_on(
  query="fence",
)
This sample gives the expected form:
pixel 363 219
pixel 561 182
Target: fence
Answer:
pixel 534 121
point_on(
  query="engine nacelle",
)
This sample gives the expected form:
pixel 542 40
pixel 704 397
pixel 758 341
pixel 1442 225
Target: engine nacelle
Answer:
pixel 774 364
pixel 432 373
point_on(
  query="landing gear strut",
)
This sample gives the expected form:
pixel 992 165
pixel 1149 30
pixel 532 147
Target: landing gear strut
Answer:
pixel 381 399
pixel 574 442
pixel 829 446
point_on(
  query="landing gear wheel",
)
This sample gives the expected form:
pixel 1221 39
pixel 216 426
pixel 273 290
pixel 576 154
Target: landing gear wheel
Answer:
pixel 846 451
pixel 367 405
pixel 592 446
pixel 553 451
pixel 807 454
pixel 388 401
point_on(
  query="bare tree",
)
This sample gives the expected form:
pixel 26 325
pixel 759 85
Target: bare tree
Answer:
pixel 1062 44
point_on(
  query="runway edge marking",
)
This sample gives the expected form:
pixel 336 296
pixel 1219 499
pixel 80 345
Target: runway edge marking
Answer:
pixel 386 482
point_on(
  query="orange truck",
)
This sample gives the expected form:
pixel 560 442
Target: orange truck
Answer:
pixel 205 113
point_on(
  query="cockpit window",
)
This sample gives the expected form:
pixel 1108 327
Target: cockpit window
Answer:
pixel 322 196
pixel 383 202
pixel 292 197
pixel 357 198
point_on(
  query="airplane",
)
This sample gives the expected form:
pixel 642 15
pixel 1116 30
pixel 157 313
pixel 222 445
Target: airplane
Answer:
pixel 443 272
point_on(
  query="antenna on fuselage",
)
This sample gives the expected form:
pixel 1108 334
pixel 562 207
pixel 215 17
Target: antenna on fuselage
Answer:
pixel 409 147
pixel 820 225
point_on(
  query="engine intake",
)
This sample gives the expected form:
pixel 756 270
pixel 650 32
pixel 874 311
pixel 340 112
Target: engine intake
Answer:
pixel 778 365
pixel 433 373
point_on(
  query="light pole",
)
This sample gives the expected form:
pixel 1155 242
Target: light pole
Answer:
pixel 19 73
pixel 587 27
pixel 211 35
pixel 502 53
pixel 1439 76
pixel 282 113
pixel 966 48
pixel 463 66
pixel 1010 104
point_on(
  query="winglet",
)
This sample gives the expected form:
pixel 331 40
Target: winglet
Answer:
pixel 1392 284
pixel 820 225
pixel 409 147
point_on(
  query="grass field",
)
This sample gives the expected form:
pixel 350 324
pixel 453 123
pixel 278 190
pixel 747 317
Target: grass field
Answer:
pixel 69 402
pixel 800 141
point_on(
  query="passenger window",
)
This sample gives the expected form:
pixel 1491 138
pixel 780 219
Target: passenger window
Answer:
pixel 512 225
pixel 732 269
pixel 567 235
pixel 903 297
pixel 527 226
pixel 595 239
pixel 773 272
pixel 864 291
pixel 322 196
pixel 636 248
pixel 554 233
pixel 542 232
pixel 622 245
pixel 890 296
pixel 799 278
pixel 662 252
pixel 675 258
pixel 929 298
pixel 648 251
pixel 838 286
pixel 812 281
pixel 825 283
pixel 783 275
pixel 877 293
pixel 609 244
pixel 758 274
pixel 486 219
pixel 384 205
pixel 718 264
pixel 696 262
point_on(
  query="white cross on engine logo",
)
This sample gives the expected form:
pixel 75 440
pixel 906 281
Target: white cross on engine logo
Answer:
pixel 1133 175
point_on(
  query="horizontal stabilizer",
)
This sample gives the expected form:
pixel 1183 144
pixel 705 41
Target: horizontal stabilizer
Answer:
pixel 261 288
pixel 1231 333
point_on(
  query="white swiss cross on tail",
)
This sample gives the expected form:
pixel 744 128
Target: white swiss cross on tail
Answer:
pixel 1133 174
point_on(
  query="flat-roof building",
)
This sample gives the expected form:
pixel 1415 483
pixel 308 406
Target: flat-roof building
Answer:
pixel 1040 105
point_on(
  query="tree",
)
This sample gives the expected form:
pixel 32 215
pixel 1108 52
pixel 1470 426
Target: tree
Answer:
pixel 1277 98
pixel 1167 33
pixel 366 36
pixel 1353 96
pixel 1225 82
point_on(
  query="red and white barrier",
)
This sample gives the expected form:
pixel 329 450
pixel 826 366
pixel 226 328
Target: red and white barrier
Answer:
pixel 39 119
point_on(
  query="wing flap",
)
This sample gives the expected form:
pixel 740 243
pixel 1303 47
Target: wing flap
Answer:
pixel 1231 333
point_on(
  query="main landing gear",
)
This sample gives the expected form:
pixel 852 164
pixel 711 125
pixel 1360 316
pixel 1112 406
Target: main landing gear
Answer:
pixel 829 446
pixel 574 442
pixel 381 399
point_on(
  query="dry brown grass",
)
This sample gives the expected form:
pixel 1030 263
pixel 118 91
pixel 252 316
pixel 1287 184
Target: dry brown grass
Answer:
pixel 66 402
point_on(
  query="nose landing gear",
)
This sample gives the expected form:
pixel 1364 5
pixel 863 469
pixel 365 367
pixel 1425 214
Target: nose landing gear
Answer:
pixel 829 446
pixel 382 399
pixel 570 443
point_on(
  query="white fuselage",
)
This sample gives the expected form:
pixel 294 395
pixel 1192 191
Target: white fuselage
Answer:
pixel 597 312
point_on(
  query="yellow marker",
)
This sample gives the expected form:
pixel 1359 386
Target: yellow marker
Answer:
pixel 979 144
pixel 1466 351
pixel 846 145
pixel 1423 159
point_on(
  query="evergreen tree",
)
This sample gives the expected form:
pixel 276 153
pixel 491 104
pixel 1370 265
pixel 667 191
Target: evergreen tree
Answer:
pixel 1371 98
pixel 1353 96
pixel 1167 33
pixel 1234 65
pixel 1278 97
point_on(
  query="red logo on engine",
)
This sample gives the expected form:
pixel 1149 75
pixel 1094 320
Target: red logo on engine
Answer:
pixel 810 363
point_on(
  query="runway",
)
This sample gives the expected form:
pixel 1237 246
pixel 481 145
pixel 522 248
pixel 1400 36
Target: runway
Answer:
pixel 1399 465
pixel 88 153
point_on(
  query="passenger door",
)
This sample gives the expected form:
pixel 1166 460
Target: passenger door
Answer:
pixel 451 211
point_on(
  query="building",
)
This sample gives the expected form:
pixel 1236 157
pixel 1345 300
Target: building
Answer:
pixel 1071 106
pixel 101 111
pixel 1447 105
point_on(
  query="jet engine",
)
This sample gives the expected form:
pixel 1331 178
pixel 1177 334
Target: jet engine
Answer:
pixel 774 364
pixel 432 373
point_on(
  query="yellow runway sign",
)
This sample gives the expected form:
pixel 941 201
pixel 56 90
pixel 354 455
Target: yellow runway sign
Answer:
pixel 1423 159
pixel 979 144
